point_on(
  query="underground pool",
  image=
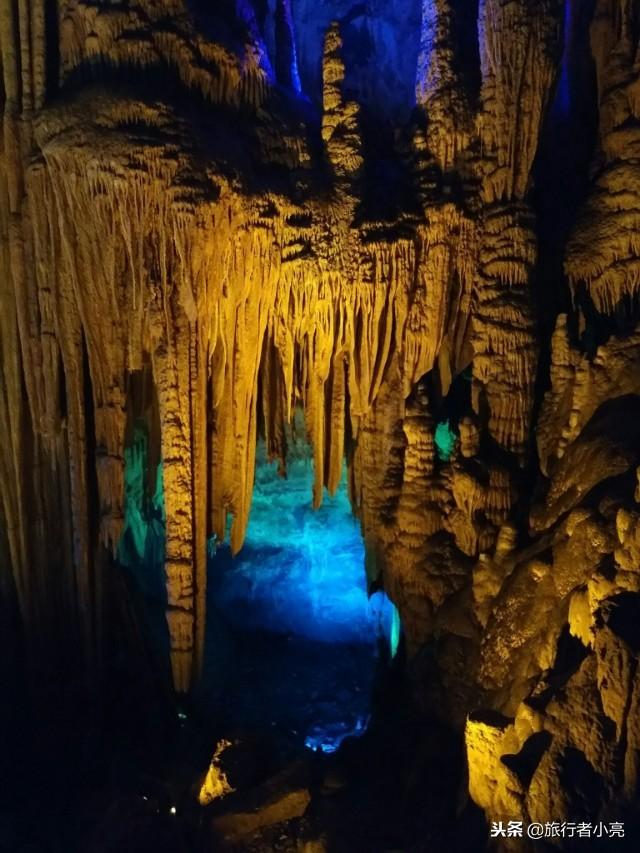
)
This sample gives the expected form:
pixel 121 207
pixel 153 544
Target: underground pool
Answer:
pixel 294 641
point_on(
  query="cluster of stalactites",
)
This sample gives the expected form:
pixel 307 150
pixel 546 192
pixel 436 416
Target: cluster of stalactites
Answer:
pixel 520 51
pixel 519 55
pixel 235 333
pixel 585 436
pixel 439 88
pixel 602 255
pixel 115 264
pixel 145 35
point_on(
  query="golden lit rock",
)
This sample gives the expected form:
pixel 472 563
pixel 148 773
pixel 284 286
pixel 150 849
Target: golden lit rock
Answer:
pixel 193 247
pixel 215 785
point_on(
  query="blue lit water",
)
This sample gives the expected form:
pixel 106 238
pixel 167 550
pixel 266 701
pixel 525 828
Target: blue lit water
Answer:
pixel 301 571
pixel 303 636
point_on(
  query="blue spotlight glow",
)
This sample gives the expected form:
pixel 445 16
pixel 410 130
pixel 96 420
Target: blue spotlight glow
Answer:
pixel 426 72
pixel 293 69
pixel 247 15
pixel 301 570
pixel 329 738
pixel 297 596
pixel 143 531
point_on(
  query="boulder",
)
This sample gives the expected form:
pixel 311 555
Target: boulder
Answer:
pixel 282 798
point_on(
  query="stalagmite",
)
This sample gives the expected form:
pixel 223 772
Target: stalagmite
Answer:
pixel 339 118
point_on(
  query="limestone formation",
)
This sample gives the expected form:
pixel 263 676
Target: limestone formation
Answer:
pixel 173 217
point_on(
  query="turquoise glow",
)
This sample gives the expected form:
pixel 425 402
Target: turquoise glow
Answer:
pixel 143 531
pixel 394 634
pixel 445 439
pixel 301 571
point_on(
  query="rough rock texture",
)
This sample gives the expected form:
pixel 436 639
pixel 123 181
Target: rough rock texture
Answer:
pixel 559 652
pixel 170 217
pixel 279 799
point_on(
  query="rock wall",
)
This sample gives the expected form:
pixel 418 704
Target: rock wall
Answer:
pixel 558 655
pixel 167 211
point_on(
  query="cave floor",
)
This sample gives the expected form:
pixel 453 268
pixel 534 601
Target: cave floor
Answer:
pixel 394 789
pixel 383 782
pixel 292 690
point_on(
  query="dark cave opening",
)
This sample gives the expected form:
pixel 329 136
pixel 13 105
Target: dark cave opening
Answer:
pixel 450 404
pixel 380 50
pixel 467 45
pixel 381 42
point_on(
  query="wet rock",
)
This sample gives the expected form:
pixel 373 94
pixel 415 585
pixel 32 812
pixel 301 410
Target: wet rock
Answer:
pixel 606 447
pixel 524 615
pixel 579 550
pixel 282 798
pixel 580 618
pixel 237 764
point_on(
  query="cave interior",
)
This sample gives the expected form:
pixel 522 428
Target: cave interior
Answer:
pixel 320 413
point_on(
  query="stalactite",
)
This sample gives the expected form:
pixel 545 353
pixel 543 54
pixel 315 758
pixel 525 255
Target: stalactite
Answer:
pixel 603 251
pixel 504 364
pixel 249 303
pixel 139 37
pixel 199 417
pixel 323 330
pixel 519 51
pixel 246 13
pixel 248 276
pixel 38 53
pixel 10 59
pixel 440 302
pixel 13 417
pixel 439 89
pixel 171 364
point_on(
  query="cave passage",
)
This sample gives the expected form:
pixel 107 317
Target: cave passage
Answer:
pixel 293 639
